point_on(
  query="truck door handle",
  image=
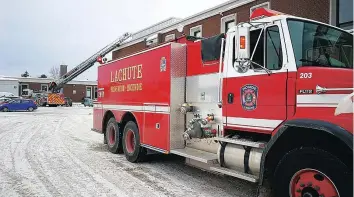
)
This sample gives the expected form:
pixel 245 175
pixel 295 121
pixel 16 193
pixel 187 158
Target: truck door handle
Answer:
pixel 230 98
pixel 320 90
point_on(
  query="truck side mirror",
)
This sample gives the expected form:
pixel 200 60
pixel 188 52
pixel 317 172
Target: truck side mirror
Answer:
pixel 242 47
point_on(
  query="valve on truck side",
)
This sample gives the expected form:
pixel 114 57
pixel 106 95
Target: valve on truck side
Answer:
pixel 199 128
pixel 185 107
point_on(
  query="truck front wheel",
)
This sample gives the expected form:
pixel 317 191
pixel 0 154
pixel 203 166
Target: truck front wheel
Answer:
pixel 113 136
pixel 131 143
pixel 311 172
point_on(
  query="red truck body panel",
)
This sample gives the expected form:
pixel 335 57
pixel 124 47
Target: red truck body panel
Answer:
pixel 140 84
pixel 322 106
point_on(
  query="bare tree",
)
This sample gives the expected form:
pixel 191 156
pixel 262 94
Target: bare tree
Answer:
pixel 54 72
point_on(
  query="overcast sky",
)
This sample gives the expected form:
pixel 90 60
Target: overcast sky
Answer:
pixel 38 34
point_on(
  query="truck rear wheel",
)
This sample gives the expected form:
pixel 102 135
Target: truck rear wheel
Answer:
pixel 113 136
pixel 131 143
pixel 311 172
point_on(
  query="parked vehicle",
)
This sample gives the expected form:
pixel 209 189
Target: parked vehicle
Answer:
pixel 6 94
pixel 4 99
pixel 88 102
pixel 265 108
pixel 18 105
pixel 68 102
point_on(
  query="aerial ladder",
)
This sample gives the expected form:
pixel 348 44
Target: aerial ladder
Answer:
pixel 57 86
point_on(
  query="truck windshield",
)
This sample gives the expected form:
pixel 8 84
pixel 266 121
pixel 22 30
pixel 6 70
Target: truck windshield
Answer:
pixel 320 45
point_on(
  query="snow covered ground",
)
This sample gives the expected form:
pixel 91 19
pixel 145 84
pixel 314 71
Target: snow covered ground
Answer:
pixel 53 152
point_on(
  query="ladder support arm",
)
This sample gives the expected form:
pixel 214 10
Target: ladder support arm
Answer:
pixel 88 63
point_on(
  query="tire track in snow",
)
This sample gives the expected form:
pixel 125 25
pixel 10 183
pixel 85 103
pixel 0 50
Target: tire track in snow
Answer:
pixel 62 157
pixel 85 169
pixel 22 178
pixel 37 155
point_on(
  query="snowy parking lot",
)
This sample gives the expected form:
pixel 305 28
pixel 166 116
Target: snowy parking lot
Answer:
pixel 53 152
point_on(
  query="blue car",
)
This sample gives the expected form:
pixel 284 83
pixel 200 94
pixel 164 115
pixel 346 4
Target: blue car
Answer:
pixel 18 105
pixel 88 102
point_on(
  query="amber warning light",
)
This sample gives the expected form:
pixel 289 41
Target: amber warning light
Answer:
pixel 242 42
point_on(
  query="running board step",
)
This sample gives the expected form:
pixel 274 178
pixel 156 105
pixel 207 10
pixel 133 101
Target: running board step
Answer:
pixel 234 173
pixel 198 155
pixel 241 142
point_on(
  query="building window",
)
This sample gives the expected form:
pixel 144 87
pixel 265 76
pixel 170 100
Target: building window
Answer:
pixel 95 93
pixel 262 5
pixel 196 31
pixel 88 92
pixel 227 22
pixel 344 13
pixel 170 37
pixel 24 89
pixel 44 87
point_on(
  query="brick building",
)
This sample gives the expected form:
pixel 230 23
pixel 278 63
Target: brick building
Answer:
pixel 76 90
pixel 218 19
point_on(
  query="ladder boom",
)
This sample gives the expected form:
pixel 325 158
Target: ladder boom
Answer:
pixel 88 63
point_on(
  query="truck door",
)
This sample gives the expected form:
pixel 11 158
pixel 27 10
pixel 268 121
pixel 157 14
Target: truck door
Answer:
pixel 324 58
pixel 255 99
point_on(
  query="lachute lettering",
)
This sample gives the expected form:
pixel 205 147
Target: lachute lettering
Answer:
pixel 125 74
pixel 129 73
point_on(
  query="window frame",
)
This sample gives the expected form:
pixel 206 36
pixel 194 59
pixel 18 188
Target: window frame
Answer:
pixel 170 37
pixel 16 101
pixel 95 92
pixel 197 28
pixel 265 48
pixel 90 87
pixel 260 28
pixel 313 22
pixel 338 24
pixel 25 101
pixel 226 19
pixel 26 84
pixel 44 85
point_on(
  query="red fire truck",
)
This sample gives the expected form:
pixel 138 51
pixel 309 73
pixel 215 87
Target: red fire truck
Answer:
pixel 257 103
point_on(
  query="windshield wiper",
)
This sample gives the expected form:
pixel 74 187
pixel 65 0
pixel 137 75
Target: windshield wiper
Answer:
pixel 264 68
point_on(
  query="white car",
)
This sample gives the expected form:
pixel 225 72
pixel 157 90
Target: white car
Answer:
pixel 6 94
pixel 4 99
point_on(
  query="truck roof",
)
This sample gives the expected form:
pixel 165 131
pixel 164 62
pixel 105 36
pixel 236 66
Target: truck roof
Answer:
pixel 286 16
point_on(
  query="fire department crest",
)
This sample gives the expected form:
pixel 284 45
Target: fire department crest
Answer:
pixel 249 96
pixel 163 64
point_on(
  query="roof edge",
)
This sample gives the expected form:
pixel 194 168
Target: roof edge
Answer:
pixel 45 80
pixel 191 19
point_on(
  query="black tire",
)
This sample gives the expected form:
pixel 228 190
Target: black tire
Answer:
pixel 316 160
pixel 5 109
pixel 132 149
pixel 113 136
pixel 30 109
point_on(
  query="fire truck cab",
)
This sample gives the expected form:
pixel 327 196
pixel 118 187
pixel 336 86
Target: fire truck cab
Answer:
pixel 260 103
